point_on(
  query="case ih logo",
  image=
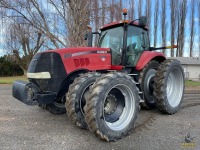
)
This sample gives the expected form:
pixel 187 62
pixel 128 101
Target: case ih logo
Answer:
pixel 101 52
pixel 85 53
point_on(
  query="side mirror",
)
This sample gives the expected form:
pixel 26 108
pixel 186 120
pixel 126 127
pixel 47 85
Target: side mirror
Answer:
pixel 143 21
pixel 86 36
pixel 89 37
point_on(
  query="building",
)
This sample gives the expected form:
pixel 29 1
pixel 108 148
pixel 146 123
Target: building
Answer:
pixel 191 66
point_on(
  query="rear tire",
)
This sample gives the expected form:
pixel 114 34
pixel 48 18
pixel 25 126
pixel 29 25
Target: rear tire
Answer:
pixel 169 86
pixel 112 107
pixel 146 80
pixel 76 97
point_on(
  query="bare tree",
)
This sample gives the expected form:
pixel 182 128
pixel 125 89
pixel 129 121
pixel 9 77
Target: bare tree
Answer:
pixel 156 12
pixel 139 8
pixel 148 12
pixel 173 23
pixel 131 10
pixel 25 38
pixel 198 25
pixel 96 14
pixel 118 10
pixel 32 13
pixel 103 12
pixel 77 20
pixel 181 31
pixel 192 30
pixel 163 24
pixel 112 10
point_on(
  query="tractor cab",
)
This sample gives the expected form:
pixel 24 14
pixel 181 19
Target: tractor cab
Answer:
pixel 126 40
pixel 131 44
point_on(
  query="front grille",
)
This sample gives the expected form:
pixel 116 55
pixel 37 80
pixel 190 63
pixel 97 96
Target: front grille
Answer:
pixel 48 62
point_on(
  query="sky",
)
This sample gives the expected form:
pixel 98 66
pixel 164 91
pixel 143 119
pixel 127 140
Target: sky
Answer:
pixel 125 2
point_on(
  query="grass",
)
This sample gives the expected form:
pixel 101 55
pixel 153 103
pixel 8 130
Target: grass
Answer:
pixel 189 83
pixel 10 80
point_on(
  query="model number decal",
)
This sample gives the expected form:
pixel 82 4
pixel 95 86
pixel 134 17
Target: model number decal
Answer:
pixel 68 55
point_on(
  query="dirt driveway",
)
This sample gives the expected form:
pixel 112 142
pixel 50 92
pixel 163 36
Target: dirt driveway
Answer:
pixel 30 127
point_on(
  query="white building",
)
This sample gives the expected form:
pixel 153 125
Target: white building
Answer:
pixel 191 66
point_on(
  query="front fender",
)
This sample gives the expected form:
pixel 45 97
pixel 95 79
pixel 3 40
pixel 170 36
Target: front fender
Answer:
pixel 148 56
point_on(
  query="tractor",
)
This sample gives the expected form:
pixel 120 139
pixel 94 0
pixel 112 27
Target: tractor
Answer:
pixel 103 88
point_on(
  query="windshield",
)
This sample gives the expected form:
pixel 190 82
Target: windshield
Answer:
pixel 113 39
pixel 137 38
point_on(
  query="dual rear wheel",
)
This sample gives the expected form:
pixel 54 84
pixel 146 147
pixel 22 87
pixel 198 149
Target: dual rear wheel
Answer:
pixel 108 104
pixel 163 85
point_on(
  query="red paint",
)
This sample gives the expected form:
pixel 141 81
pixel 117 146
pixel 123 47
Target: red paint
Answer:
pixel 91 61
pixel 94 61
pixel 146 57
pixel 117 67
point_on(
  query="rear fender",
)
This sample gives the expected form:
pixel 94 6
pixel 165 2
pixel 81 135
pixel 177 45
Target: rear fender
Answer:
pixel 147 56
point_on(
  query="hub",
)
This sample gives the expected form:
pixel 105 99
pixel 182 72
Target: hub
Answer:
pixel 110 104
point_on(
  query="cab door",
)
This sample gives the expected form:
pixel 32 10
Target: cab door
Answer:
pixel 137 42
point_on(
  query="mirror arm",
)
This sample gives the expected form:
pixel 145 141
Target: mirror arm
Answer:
pixel 96 33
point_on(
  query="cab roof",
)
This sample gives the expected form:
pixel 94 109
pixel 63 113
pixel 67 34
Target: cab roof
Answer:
pixel 119 23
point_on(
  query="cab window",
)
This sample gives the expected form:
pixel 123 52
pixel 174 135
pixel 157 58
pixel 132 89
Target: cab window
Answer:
pixel 137 42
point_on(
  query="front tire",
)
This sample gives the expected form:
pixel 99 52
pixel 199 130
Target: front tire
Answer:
pixel 76 98
pixel 169 86
pixel 112 107
pixel 54 108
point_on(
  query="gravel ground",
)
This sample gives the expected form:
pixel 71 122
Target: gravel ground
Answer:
pixel 29 127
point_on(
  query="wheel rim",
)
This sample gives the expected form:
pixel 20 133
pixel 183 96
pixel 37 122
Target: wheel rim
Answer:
pixel 150 81
pixel 118 115
pixel 175 87
pixel 148 86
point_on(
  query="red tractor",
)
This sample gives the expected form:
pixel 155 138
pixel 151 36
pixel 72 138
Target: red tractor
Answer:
pixel 101 87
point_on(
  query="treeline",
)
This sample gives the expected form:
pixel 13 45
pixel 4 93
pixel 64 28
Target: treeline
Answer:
pixel 9 68
pixel 34 25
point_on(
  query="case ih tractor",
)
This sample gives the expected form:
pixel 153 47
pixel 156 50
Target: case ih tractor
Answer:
pixel 102 87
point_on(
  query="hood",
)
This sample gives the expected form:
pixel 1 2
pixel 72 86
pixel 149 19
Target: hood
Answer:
pixel 64 51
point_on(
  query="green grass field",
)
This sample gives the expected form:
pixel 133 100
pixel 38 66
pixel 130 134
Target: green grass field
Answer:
pixel 10 80
pixel 190 83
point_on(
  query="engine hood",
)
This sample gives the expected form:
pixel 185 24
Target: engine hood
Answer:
pixel 76 51
pixel 87 58
pixel 48 69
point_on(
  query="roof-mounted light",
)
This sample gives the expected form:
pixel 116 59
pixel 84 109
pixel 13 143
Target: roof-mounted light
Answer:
pixel 125 11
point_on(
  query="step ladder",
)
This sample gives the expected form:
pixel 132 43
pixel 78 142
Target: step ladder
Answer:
pixel 138 86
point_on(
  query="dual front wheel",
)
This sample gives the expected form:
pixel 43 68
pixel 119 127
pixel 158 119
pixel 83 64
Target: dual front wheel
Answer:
pixel 108 105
